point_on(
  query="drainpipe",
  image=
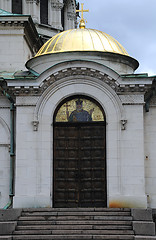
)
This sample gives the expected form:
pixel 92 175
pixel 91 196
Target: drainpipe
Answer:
pixel 12 143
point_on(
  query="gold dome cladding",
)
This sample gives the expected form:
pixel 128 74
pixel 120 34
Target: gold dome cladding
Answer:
pixel 82 40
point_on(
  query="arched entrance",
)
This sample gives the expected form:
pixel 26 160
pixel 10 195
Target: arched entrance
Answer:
pixel 79 154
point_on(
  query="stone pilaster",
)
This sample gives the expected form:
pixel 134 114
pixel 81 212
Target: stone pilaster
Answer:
pixel 55 14
pixel 32 7
pixel 6 5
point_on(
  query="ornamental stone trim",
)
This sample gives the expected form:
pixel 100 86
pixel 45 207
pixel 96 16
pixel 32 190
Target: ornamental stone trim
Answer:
pixel 78 81
pixel 33 1
pixel 12 23
pixel 35 125
pixel 153 101
pixel 57 5
pixel 120 89
pixel 132 99
pixel 71 16
pixel 123 124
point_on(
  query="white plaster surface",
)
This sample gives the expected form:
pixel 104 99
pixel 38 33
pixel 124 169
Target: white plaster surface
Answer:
pixel 150 155
pixel 4 152
pixel 15 51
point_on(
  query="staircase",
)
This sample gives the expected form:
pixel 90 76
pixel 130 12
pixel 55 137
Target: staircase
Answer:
pixel 74 224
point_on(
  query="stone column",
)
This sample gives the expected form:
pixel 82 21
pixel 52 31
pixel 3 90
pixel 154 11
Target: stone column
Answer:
pixel 32 7
pixel 71 20
pixel 6 5
pixel 55 14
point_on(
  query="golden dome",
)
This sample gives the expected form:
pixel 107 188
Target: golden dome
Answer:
pixel 81 40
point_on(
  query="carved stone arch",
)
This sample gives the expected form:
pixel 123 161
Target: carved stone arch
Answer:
pixel 70 81
pixel 110 103
pixel 7 131
pixel 79 67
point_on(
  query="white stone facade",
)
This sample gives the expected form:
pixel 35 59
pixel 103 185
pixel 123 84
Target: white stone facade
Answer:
pixel 150 153
pixel 130 128
pixel 61 15
pixel 126 180
pixel 4 151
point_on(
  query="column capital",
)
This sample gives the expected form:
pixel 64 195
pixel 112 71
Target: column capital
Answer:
pixel 71 15
pixel 57 5
pixel 33 1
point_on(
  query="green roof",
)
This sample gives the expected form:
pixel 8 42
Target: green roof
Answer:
pixel 5 13
pixel 17 75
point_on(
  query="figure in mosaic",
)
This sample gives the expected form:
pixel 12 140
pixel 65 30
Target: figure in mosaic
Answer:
pixel 80 115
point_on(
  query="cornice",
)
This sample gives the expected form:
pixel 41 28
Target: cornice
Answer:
pixel 25 22
pixel 73 73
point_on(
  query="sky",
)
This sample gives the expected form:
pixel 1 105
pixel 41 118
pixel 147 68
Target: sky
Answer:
pixel 132 23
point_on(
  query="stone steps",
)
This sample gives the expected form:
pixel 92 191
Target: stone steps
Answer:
pixel 74 224
pixel 74 232
pixel 74 227
pixel 72 214
pixel 68 210
pixel 75 237
pixel 73 218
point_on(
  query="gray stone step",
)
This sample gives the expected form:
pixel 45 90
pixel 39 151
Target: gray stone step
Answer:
pixel 145 238
pixel 76 237
pixel 66 218
pixel 112 213
pixel 5 237
pixel 56 227
pixel 76 222
pixel 74 232
pixel 76 210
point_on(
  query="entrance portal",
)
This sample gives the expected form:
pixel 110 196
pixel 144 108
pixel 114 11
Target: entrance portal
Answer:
pixel 79 156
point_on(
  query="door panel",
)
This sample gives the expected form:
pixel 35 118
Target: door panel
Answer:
pixel 79 165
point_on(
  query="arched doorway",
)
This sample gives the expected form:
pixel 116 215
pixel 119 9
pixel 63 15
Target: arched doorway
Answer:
pixel 79 154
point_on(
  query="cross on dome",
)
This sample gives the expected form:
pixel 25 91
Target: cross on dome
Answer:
pixel 82 20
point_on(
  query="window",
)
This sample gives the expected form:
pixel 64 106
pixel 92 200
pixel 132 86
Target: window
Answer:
pixel 44 11
pixel 17 6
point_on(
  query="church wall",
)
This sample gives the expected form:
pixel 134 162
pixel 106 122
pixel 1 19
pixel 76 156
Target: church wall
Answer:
pixel 150 155
pixel 35 148
pixel 125 155
pixel 4 151
pixel 15 51
pixel 28 188
pixel 132 159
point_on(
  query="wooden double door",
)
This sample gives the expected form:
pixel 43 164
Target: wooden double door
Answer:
pixel 79 165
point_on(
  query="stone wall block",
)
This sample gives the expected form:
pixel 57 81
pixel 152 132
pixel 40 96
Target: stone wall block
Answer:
pixel 142 214
pixel 144 238
pixel 9 215
pixel 7 228
pixel 144 228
